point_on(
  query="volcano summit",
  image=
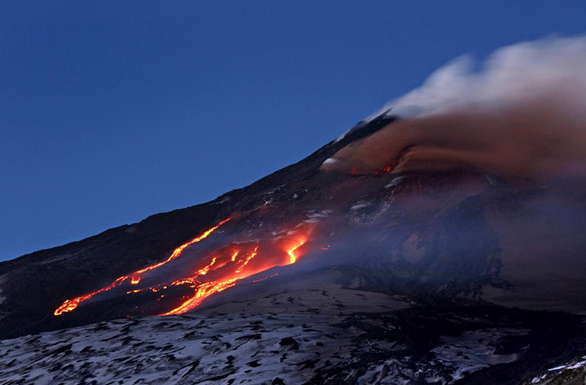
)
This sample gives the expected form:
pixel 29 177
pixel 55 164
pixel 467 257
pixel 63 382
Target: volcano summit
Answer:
pixel 440 241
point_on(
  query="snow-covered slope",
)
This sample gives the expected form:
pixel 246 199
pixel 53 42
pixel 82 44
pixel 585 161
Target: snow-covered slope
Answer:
pixel 325 335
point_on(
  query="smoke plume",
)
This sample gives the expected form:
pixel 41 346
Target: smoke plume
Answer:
pixel 523 115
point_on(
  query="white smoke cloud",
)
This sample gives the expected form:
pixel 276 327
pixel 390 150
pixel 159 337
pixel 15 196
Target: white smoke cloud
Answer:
pixel 544 68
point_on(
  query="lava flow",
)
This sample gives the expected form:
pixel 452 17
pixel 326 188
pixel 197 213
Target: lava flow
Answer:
pixel 71 304
pixel 239 262
pixel 215 272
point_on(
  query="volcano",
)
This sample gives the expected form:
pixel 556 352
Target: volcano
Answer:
pixel 436 247
pixel 170 262
pixel 455 269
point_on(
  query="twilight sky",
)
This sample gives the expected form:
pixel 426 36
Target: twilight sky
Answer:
pixel 111 111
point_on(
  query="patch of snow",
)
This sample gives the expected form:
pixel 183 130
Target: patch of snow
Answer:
pixel 536 380
pixel 330 161
pixel 360 205
pixel 577 365
pixel 474 350
pixel 315 216
pixel 395 182
pixel 547 377
pixel 217 347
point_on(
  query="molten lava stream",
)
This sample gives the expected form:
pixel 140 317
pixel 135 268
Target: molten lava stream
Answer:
pixel 238 264
pixel 71 304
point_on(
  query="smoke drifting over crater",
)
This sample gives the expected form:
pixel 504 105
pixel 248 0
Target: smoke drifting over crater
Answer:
pixel 523 115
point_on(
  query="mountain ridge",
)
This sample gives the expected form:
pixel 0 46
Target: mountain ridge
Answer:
pixel 123 244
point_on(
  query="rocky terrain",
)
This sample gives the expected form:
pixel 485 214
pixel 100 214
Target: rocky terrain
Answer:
pixel 308 276
pixel 324 335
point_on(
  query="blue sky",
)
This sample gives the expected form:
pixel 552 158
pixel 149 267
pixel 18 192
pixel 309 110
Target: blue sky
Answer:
pixel 111 111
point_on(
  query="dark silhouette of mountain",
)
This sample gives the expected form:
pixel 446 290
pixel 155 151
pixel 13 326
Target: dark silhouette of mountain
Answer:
pixel 34 285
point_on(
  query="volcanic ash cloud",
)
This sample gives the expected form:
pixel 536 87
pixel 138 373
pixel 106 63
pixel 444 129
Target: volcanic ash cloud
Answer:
pixel 522 115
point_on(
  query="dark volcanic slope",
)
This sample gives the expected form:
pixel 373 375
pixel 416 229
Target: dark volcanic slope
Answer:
pixel 434 276
pixel 34 285
pixel 431 235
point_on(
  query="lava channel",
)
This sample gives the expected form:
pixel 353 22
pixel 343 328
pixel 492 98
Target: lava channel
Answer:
pixel 71 304
pixel 216 272
pixel 237 262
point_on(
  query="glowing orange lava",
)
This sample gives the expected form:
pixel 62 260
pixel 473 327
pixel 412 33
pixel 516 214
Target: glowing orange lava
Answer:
pixel 252 255
pixel 243 267
pixel 207 268
pixel 203 291
pixel 71 304
pixel 292 257
pixel 215 272
pixel 177 252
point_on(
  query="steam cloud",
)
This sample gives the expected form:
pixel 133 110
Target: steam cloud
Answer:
pixel 523 115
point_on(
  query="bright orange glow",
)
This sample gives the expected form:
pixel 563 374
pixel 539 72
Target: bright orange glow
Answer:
pixel 71 304
pixel 203 292
pixel 177 252
pixel 252 255
pixel 244 269
pixel 180 282
pixel 207 268
pixel 217 271
pixel 292 257
pixel 265 278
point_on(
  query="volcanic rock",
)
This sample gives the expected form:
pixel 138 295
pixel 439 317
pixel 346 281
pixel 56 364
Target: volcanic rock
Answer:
pixel 451 276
